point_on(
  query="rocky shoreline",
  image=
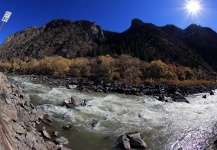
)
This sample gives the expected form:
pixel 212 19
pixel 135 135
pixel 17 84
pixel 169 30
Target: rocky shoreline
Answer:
pixel 162 92
pixel 19 119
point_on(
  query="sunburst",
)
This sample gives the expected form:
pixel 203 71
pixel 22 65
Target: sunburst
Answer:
pixel 193 7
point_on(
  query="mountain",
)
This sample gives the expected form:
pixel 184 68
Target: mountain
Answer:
pixel 149 42
pixel 202 40
pixel 194 46
pixel 58 37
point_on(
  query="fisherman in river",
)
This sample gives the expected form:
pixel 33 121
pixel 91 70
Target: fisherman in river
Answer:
pixel 73 101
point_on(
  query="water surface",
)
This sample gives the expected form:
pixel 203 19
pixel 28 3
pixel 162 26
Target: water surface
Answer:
pixel 164 126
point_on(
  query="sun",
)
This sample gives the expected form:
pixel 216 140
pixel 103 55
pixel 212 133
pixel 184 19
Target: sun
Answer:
pixel 193 7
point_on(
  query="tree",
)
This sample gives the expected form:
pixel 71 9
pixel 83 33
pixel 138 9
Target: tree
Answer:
pixel 107 64
pixel 79 67
pixel 61 66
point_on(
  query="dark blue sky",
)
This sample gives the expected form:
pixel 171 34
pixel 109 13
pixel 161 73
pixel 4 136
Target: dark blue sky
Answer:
pixel 113 15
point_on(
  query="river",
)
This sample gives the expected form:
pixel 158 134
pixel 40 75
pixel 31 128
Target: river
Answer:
pixel 164 126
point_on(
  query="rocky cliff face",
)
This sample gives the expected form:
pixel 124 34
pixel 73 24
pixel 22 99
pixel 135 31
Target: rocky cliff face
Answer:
pixel 58 37
pixel 18 118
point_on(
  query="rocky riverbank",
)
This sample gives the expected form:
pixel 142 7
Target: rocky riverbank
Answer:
pixel 18 120
pixel 162 92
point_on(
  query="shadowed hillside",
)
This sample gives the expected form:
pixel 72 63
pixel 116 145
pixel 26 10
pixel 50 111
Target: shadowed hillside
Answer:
pixel 193 47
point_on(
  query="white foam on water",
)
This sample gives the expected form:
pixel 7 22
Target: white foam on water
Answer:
pixel 167 125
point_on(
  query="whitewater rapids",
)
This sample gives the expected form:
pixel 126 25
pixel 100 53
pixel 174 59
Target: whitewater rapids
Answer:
pixel 165 126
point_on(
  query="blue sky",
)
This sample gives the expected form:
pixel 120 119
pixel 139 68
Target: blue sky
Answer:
pixel 113 15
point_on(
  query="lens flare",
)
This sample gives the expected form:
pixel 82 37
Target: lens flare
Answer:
pixel 193 7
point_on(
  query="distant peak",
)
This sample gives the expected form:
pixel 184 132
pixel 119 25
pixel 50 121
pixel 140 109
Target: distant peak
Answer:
pixel 136 23
pixel 56 23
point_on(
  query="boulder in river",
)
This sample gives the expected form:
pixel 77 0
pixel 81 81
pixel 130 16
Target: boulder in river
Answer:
pixel 131 141
pixel 204 96
pixel 211 93
pixel 45 133
pixel 67 126
pixel 61 140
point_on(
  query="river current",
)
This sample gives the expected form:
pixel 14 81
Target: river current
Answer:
pixel 164 126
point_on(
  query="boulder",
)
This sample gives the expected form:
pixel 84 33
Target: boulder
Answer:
pixel 204 96
pixel 136 141
pixel 131 141
pixel 67 126
pixel 178 97
pixel 126 142
pixel 161 98
pixel 61 140
pixel 212 93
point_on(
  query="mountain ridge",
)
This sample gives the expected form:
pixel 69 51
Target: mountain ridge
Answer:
pixel 143 40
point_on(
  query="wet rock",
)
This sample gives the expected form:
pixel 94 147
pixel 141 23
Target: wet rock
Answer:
pixel 136 141
pixel 45 133
pixel 47 118
pixel 178 97
pixel 204 96
pixel 67 126
pixel 55 133
pixel 71 86
pixel 64 148
pixel 131 141
pixel 161 98
pixel 61 140
pixel 212 93
pixel 94 123
pixel 126 142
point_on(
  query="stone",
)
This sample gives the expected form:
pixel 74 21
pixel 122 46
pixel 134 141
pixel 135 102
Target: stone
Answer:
pixel 31 137
pixel 38 146
pixel 46 134
pixel 67 126
pixel 136 141
pixel 18 128
pixel 55 133
pixel 204 96
pixel 64 148
pixel 161 98
pixel 211 93
pixel 94 123
pixel 8 101
pixel 33 117
pixel 12 114
pixel 126 142
pixel 61 140
pixel 47 118
pixel 50 145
